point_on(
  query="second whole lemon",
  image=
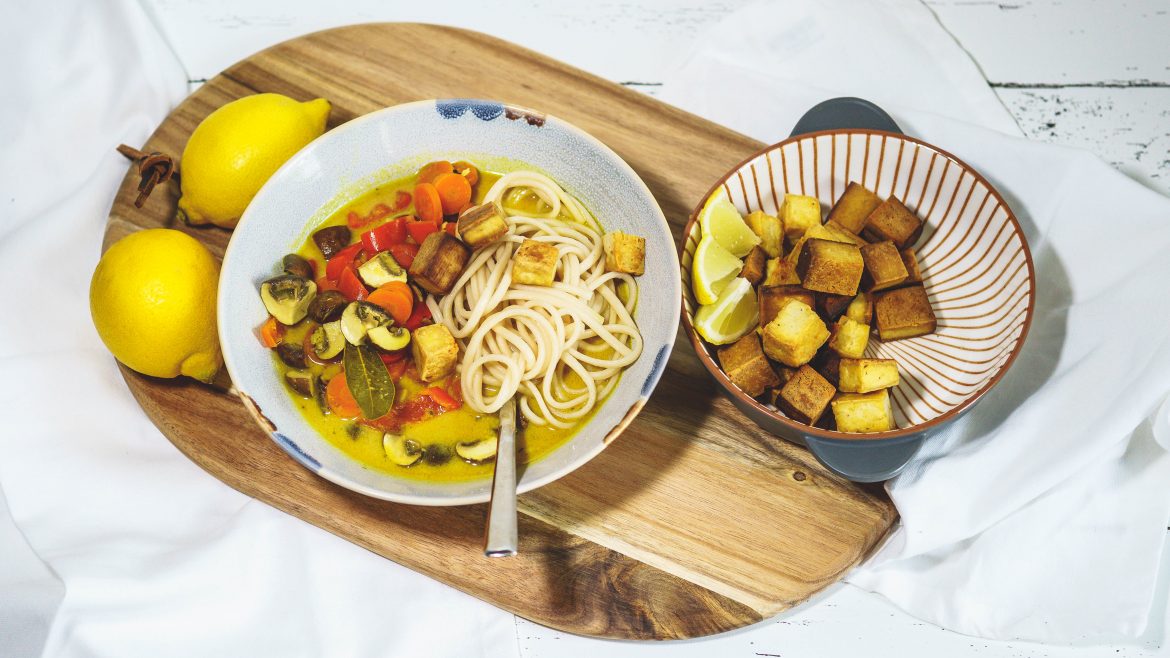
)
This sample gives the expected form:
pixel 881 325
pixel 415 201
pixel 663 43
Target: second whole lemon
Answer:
pixel 237 148
pixel 153 299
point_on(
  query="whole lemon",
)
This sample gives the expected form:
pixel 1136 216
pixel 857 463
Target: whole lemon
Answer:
pixel 152 299
pixel 237 148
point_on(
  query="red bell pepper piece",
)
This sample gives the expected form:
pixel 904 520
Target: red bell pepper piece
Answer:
pixel 396 369
pixel 325 285
pixel 404 253
pixel 383 237
pixel 378 212
pixel 351 286
pixel 419 230
pixel 442 397
pixel 393 357
pixel 418 317
pixel 452 228
pixel 402 199
pixel 341 260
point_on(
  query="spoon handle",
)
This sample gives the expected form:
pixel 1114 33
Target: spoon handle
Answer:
pixel 502 537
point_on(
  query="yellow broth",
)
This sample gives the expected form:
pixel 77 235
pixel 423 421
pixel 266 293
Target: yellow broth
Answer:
pixel 364 443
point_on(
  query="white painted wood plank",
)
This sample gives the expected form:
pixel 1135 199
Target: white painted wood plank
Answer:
pixel 1130 128
pixel 1063 41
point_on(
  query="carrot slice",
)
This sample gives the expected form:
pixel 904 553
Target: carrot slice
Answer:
pixel 467 170
pixel 272 331
pixel 340 399
pixel 433 170
pixel 427 203
pixel 454 192
pixel 396 298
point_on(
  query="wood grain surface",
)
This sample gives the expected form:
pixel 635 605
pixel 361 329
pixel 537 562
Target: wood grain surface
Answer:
pixel 692 523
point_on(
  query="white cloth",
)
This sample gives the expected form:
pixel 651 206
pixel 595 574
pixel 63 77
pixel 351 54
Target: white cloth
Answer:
pixel 154 556
pixel 1041 515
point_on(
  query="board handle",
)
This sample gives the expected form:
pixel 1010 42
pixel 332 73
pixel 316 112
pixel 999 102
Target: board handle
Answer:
pixel 845 112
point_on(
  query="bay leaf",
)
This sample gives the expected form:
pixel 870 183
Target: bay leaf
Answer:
pixel 368 380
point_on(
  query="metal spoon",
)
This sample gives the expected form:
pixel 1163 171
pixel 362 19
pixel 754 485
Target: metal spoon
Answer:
pixel 501 536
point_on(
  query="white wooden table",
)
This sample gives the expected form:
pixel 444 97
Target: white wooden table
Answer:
pixel 1089 74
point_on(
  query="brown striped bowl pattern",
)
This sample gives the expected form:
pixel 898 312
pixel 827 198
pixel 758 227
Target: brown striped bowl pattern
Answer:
pixel 975 263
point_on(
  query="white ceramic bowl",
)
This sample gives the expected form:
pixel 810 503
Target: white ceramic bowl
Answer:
pixel 392 143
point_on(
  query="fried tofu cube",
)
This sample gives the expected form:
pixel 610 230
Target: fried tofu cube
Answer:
pixel 884 267
pixel 854 207
pixel 746 366
pixel 623 253
pixel 798 214
pixel 903 313
pixel 780 272
pixel 770 230
pixel 772 298
pixel 805 397
pixel 535 263
pixel 910 261
pixel 893 221
pixel 482 225
pixel 830 307
pixel 435 351
pixel 835 232
pixel 865 375
pixel 849 338
pixel 863 413
pixel 860 310
pixel 827 266
pixel 795 334
pixel 439 262
pixel 753 265
pixel 828 363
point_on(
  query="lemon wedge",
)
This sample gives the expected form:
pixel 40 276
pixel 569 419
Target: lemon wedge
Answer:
pixel 720 219
pixel 731 316
pixel 712 269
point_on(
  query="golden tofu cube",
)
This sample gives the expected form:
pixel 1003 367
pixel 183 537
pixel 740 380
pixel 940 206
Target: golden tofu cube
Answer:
pixel 795 334
pixel 482 225
pixel 827 266
pixel 884 267
pixel 624 253
pixel 835 232
pixel 780 272
pixel 893 221
pixel 535 263
pixel 865 375
pixel 769 229
pixel 910 261
pixel 773 297
pixel 753 265
pixel 799 213
pixel 746 366
pixel 439 262
pixel 864 412
pixel 903 313
pixel 860 310
pixel 435 352
pixel 830 307
pixel 854 207
pixel 805 397
pixel 849 338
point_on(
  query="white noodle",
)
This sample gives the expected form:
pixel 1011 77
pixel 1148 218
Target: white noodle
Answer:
pixel 525 340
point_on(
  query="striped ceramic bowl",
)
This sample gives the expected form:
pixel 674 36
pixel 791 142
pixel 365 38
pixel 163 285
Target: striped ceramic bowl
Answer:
pixel 975 263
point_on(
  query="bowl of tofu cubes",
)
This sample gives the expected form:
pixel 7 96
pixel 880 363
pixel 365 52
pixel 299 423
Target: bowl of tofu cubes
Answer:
pixel 855 291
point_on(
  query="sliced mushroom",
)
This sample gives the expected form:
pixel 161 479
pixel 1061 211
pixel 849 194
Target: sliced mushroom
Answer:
pixel 327 340
pixel 301 382
pixel 401 450
pixel 327 306
pixel 319 396
pixel 477 452
pixel 437 454
pixel 389 338
pixel 287 297
pixel 331 240
pixel 294 264
pixel 292 355
pixel 359 317
pixel 380 270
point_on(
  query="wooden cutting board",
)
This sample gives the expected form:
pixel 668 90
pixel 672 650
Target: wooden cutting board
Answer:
pixel 693 522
